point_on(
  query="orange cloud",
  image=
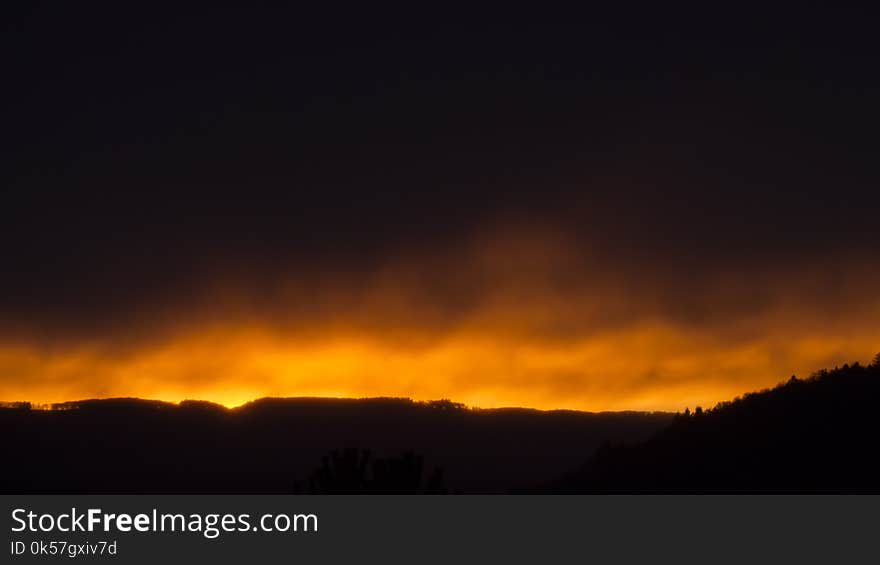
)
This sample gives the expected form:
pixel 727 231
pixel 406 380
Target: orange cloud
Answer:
pixel 643 368
pixel 524 319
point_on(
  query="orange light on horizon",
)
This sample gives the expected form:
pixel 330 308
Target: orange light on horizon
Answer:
pixel 644 367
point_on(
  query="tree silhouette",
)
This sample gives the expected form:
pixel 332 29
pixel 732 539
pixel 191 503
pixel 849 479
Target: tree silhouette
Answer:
pixel 806 435
pixel 357 472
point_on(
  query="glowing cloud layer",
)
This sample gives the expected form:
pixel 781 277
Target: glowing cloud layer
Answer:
pixel 526 321
pixel 646 368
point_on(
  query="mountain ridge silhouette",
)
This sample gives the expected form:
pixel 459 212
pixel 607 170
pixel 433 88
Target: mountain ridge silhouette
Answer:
pixel 127 445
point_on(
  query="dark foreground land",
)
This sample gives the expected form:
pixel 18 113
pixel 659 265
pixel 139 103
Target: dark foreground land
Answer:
pixel 815 435
pixel 277 445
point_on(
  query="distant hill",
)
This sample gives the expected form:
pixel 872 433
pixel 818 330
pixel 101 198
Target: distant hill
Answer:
pixel 807 435
pixel 266 446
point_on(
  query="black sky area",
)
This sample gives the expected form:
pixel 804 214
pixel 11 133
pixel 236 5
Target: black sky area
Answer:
pixel 147 153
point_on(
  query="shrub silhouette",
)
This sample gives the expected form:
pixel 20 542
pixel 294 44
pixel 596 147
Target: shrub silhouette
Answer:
pixel 356 472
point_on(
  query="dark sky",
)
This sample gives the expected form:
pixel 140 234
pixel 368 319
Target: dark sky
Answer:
pixel 681 166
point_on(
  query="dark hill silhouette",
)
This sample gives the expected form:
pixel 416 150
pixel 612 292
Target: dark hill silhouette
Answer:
pixel 267 446
pixel 807 435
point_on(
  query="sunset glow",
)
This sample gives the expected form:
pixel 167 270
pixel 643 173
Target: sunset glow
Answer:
pixel 516 319
pixel 645 368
